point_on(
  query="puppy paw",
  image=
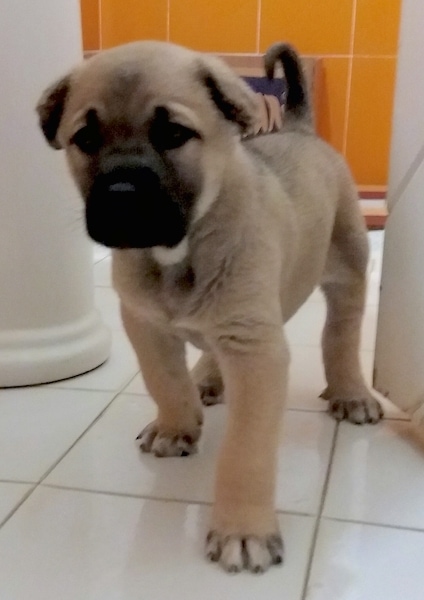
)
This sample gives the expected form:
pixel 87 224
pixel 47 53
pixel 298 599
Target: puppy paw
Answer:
pixel 163 443
pixel 237 552
pixel 358 411
pixel 211 392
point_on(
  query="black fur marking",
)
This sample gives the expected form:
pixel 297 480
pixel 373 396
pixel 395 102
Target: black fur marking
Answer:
pixel 297 101
pixel 50 110
pixel 230 110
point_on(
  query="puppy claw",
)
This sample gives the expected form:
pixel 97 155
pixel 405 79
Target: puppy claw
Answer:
pixel 258 557
pixel 232 558
pixel 146 438
pixel 276 548
pixel 211 394
pixel 213 546
pixel 165 444
pixel 253 553
pixel 358 412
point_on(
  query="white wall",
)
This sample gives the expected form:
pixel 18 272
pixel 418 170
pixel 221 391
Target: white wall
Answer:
pixel 399 360
pixel 408 120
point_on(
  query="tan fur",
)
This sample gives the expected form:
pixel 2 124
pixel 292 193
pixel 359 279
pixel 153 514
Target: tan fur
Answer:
pixel 279 216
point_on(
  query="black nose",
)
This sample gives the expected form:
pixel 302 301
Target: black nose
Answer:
pixel 122 182
pixel 129 207
pixel 122 186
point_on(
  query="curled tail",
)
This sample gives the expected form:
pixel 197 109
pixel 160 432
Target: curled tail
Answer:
pixel 297 105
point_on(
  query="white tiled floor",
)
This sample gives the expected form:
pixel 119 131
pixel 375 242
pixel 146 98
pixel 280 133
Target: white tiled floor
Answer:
pixel 87 517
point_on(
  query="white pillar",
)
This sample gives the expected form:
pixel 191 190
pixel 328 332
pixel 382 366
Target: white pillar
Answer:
pixel 399 357
pixel 49 329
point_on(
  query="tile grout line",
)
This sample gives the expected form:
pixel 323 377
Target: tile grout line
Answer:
pixel 18 481
pixel 349 76
pixel 55 464
pixel 168 21
pixel 10 514
pixel 65 488
pixel 86 430
pixel 57 385
pixel 376 56
pixel 258 26
pixel 122 390
pixel 144 394
pixel 96 261
pixel 154 498
pixel 372 524
pixel 99 3
pixel 313 411
pixel 319 514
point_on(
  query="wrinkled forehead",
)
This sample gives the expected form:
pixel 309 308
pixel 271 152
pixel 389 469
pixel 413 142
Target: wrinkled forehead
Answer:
pixel 128 83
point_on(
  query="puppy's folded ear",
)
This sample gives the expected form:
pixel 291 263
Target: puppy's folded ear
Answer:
pixel 50 109
pixel 232 96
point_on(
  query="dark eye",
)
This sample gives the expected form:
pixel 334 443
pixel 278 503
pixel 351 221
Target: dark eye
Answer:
pixel 175 135
pixel 88 138
pixel 169 136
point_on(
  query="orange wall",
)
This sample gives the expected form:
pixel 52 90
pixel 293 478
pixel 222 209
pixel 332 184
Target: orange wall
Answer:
pixel 357 40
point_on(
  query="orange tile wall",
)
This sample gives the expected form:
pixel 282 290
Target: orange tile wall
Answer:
pixel 357 40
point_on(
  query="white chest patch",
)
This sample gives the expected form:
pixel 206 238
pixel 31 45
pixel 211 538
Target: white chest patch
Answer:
pixel 171 256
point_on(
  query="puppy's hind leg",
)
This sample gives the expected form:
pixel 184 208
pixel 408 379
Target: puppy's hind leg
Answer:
pixel 207 377
pixel 344 287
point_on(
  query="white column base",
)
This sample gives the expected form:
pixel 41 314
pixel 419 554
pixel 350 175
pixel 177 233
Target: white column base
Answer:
pixel 37 356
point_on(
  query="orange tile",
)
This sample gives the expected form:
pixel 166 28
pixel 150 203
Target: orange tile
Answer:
pixel 215 26
pixel 330 100
pixel 314 26
pixel 90 24
pixel 131 20
pixel 370 119
pixel 377 26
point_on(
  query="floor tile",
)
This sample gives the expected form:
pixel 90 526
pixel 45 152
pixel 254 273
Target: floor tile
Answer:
pixel 364 562
pixel 373 290
pixel 10 496
pixel 391 411
pixel 137 385
pixel 107 459
pixel 376 242
pixel 307 379
pixel 369 328
pixel 317 296
pixel 107 302
pixel 102 272
pixel 99 252
pixel 97 547
pixel 305 327
pixel 377 476
pixel 113 375
pixel 37 425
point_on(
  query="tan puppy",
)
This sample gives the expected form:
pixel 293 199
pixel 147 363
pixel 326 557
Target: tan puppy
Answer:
pixel 218 241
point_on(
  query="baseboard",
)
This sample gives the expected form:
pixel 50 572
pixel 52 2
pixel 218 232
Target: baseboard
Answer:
pixel 374 211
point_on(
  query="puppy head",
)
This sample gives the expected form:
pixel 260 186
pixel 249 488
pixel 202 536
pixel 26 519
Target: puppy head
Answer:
pixel 147 129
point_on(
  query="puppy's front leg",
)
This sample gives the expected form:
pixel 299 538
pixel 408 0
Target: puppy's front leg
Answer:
pixel 162 361
pixel 244 532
